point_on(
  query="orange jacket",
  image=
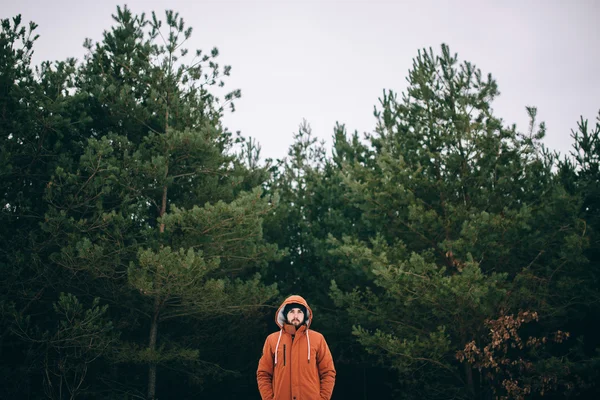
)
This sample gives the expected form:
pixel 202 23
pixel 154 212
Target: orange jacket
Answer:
pixel 287 369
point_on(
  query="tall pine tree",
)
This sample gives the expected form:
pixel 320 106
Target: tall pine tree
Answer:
pixel 157 216
pixel 471 226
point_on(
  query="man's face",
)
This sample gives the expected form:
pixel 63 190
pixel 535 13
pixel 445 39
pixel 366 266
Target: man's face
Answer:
pixel 295 317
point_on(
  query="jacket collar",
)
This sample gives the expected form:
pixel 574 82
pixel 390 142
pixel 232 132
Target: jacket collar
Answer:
pixel 291 329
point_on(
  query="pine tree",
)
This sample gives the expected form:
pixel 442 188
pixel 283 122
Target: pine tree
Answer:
pixel 157 212
pixel 579 172
pixel 471 224
pixel 314 208
pixel 35 125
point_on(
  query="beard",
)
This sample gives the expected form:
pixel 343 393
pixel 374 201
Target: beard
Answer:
pixel 296 322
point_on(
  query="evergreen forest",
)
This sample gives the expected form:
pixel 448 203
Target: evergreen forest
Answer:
pixel 145 247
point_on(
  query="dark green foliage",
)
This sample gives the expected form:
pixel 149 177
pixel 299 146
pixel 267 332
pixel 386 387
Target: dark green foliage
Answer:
pixel 144 208
pixel 472 223
pixel 580 174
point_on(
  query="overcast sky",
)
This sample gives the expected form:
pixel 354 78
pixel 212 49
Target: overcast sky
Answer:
pixel 327 61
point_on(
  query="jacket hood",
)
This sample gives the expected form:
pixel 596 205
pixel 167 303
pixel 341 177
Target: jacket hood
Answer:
pixel 280 318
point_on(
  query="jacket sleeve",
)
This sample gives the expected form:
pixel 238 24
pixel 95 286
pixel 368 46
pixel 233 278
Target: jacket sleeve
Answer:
pixel 326 370
pixel 264 374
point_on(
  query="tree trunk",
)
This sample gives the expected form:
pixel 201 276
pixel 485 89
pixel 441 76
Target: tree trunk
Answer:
pixel 152 347
pixel 157 300
pixel 163 208
pixel 470 383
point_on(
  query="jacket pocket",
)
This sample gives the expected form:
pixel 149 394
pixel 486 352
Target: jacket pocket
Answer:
pixel 281 356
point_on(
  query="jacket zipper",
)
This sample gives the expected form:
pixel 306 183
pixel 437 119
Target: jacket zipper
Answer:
pixel 284 355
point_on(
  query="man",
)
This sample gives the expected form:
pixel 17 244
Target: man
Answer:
pixel 296 363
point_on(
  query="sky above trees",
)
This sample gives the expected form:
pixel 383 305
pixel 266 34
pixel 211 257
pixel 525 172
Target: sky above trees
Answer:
pixel 327 61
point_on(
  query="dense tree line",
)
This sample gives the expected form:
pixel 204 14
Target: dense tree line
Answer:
pixel 145 247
